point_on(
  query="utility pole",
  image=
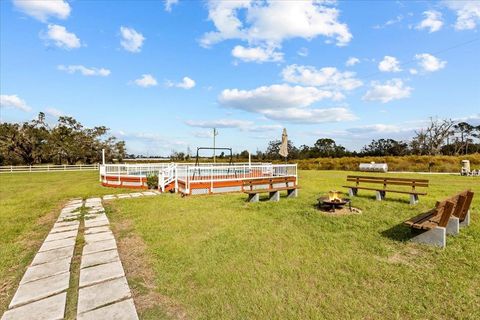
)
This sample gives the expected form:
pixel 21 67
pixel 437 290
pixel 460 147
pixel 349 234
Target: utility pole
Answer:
pixel 215 133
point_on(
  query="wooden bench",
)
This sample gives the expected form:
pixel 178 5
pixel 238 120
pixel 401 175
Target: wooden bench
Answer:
pixel 446 218
pixel 462 201
pixel 387 182
pixel 273 186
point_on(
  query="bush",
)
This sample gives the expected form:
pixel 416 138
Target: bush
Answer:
pixel 404 163
pixel 152 181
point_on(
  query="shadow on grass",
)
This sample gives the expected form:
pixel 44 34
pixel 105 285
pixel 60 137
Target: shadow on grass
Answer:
pixel 398 232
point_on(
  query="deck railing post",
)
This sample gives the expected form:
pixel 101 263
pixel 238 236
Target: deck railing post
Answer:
pixel 176 177
pixel 211 179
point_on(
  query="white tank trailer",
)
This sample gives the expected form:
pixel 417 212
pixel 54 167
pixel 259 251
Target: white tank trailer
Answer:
pixel 373 167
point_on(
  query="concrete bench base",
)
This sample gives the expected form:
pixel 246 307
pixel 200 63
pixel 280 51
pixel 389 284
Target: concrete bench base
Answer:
pixel 274 196
pixel 253 197
pixel 434 237
pixel 293 193
pixel 453 226
pixel 413 199
pixel 380 195
pixel 466 221
pixel 352 192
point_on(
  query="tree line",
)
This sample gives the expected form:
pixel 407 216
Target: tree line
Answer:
pixel 69 142
pixel 66 142
pixel 440 137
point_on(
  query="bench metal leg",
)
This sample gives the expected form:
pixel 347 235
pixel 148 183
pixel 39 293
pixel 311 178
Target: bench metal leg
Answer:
pixel 434 237
pixel 275 196
pixel 380 195
pixel 413 199
pixel 466 221
pixel 352 192
pixel 453 226
pixel 253 197
pixel 292 193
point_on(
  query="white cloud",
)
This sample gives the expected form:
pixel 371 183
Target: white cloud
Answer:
pixel 310 116
pixel 303 52
pixel 274 97
pixel 186 83
pixel 265 128
pixel 268 23
pixel 413 71
pixel 203 134
pixel 328 77
pixel 430 63
pixel 131 39
pixel 102 72
pixel 61 37
pixel 169 4
pixel 54 112
pixel 220 123
pixel 242 125
pixel 352 61
pixel 43 9
pixel 375 128
pixel 13 101
pixel 391 90
pixel 286 103
pixel 390 22
pixel 389 64
pixel 468 13
pixel 256 54
pixel 433 21
pixel 147 80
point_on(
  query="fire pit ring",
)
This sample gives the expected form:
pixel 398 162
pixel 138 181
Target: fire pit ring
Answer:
pixel 333 201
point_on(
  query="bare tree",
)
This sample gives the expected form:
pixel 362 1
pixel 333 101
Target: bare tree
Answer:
pixel 431 139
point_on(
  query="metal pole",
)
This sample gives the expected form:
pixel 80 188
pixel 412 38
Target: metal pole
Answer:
pixel 215 133
pixel 103 156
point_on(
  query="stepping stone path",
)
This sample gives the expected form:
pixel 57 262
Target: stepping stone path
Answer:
pixel 42 290
pixel 103 288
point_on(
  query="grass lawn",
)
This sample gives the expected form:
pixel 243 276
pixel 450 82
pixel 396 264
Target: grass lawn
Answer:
pixel 29 205
pixel 217 257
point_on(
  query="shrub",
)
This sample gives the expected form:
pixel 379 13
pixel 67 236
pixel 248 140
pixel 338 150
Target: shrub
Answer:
pixel 152 181
pixel 404 163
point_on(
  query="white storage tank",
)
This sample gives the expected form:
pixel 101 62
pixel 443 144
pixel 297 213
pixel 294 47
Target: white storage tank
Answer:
pixel 465 167
pixel 373 167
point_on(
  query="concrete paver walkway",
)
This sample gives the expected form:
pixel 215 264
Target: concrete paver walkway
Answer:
pixel 42 290
pixel 103 288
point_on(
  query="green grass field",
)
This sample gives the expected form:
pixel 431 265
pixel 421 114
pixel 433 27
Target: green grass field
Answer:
pixel 29 205
pixel 217 257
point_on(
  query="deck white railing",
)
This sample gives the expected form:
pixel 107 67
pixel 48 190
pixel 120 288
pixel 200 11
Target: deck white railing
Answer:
pixel 49 168
pixel 137 170
pixel 188 173
pixel 211 174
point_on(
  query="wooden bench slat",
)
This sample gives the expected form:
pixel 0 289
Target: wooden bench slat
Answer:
pixel 421 217
pixel 398 183
pixel 388 190
pixel 270 190
pixel 436 217
pixel 466 206
pixel 388 178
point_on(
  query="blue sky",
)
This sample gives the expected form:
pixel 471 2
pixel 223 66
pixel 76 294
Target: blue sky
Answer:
pixel 161 74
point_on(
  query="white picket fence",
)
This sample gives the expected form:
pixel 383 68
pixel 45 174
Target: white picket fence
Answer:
pixel 49 168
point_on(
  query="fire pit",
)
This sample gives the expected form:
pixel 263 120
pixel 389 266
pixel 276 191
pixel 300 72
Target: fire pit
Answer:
pixel 333 201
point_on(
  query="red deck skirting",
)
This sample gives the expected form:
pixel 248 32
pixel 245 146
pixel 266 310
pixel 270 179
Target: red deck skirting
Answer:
pixel 141 182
